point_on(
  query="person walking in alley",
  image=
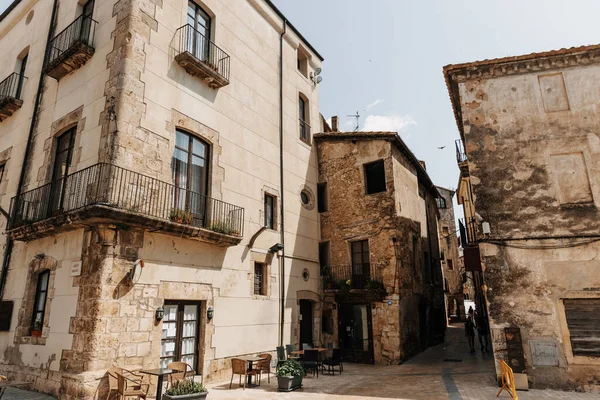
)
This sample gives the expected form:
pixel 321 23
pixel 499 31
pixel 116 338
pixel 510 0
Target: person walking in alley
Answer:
pixel 470 333
pixel 482 331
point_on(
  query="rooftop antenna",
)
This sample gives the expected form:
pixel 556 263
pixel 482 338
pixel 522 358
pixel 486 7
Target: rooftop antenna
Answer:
pixel 357 116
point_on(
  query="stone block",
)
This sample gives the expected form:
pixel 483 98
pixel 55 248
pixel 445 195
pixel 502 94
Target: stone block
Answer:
pixel 144 349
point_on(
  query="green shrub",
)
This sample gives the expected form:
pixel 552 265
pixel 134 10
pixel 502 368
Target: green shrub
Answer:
pixel 223 227
pixel 290 368
pixel 185 386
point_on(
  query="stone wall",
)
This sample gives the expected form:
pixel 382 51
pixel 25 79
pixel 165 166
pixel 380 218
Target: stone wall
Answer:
pixel 533 161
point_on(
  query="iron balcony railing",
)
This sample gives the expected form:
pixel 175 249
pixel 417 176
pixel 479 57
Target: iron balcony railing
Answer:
pixel 304 130
pixel 195 43
pixel 119 188
pixel 11 87
pixel 461 155
pixel 360 277
pixel 82 30
pixel 468 231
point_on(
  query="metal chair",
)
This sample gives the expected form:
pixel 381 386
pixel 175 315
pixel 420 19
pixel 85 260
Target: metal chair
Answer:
pixel 311 361
pixel 334 361
pixel 290 348
pixel 240 367
pixel 280 356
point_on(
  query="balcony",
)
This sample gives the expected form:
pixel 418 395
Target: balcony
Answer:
pixel 200 57
pixel 10 95
pixel 364 281
pixel 107 193
pixel 72 48
pixel 304 131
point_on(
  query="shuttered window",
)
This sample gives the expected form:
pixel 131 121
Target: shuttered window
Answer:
pixel 583 320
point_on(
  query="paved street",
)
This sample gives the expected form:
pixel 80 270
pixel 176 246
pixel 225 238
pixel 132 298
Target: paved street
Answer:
pixel 443 372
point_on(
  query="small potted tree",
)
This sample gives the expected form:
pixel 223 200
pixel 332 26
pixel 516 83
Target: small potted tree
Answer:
pixel 289 376
pixel 186 389
pixel 36 329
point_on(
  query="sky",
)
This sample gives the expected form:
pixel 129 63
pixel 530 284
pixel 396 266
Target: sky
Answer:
pixel 384 58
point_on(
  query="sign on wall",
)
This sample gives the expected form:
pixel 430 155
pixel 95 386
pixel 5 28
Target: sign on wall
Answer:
pixel 76 268
pixel 544 353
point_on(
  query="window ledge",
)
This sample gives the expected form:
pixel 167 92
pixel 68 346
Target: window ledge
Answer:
pixel 33 340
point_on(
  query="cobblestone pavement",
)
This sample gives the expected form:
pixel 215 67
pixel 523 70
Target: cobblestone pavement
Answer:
pixel 444 372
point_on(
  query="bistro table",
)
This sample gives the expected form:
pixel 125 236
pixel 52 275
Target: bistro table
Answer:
pixel 160 373
pixel 251 359
pixel 301 352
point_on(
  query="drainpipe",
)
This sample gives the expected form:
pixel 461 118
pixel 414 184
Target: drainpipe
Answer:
pixel 28 147
pixel 281 210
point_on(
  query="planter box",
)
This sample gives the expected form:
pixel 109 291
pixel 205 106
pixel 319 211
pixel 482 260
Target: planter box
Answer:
pixel 289 383
pixel 195 396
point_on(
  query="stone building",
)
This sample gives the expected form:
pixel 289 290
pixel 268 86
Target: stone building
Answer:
pixel 453 284
pixel 146 149
pixel 379 252
pixel 529 172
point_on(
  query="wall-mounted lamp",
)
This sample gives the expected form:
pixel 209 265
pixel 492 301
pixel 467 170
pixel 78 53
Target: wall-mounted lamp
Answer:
pixel 275 248
pixel 210 313
pixel 160 313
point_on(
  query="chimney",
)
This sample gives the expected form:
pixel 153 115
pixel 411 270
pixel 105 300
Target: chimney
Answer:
pixel 334 123
pixel 423 164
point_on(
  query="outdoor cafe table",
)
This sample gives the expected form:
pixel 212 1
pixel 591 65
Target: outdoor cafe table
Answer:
pixel 161 373
pixel 301 352
pixel 251 359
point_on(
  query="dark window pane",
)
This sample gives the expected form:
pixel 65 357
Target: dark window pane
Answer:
pixel 269 212
pixel 450 265
pixel 324 254
pixel 322 197
pixel 39 305
pixel 375 177
pixel 259 279
pixel 360 264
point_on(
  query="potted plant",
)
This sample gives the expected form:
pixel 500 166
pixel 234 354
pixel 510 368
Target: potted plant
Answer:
pixel 186 389
pixel 289 376
pixel 36 329
pixel 181 216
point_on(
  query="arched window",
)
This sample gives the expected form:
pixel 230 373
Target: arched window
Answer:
pixel 39 306
pixel 190 174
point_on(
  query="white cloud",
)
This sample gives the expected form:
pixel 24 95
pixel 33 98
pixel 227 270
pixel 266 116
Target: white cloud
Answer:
pixel 388 123
pixel 373 104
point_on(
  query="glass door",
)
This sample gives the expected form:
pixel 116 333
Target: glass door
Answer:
pixel 180 334
pixel 198 38
pixel 355 332
pixel 62 161
pixel 86 22
pixel 21 76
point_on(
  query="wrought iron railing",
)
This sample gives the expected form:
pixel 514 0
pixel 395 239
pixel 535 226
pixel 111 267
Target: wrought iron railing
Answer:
pixel 468 231
pixel 461 155
pixel 360 277
pixel 203 49
pixel 11 86
pixel 119 188
pixel 304 130
pixel 82 30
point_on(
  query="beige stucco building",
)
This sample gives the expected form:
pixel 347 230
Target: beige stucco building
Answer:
pixel 379 254
pixel 529 180
pixel 147 148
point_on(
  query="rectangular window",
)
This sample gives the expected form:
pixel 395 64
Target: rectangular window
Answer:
pixel 62 162
pixel 584 326
pixel 360 264
pixel 269 211
pixel 260 288
pixel 39 306
pixel 324 255
pixel 450 264
pixel 22 70
pixel 303 117
pixel 375 177
pixel 1 172
pixel 302 63
pixel 441 203
pixel 180 333
pixel 322 197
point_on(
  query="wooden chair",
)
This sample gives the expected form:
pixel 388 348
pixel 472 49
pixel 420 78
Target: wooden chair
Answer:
pixel 264 366
pixel 131 387
pixel 186 371
pixel 240 367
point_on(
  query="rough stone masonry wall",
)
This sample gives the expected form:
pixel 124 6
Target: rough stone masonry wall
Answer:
pixel 533 158
pixel 355 216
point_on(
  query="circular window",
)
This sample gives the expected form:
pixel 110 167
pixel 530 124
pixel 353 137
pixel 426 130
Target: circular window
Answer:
pixel 304 197
pixel 29 18
pixel 305 274
pixel 307 198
